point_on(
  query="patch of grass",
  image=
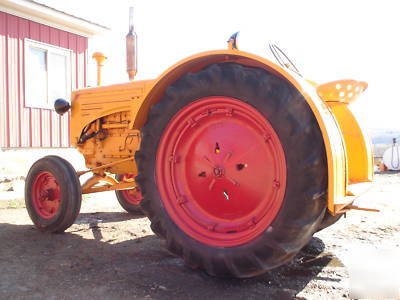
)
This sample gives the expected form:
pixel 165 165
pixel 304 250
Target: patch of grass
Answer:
pixel 15 204
pixel 86 197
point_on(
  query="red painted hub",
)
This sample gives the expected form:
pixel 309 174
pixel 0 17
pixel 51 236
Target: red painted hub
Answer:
pixel 46 195
pixel 132 196
pixel 221 171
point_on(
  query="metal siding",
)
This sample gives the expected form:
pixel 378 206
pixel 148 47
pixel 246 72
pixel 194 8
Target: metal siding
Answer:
pixel 23 32
pixel 36 115
pixel 72 44
pixel 80 61
pixel 85 62
pixel 45 118
pixel 12 82
pixel 64 120
pixel 55 118
pixel 3 83
pixel 22 126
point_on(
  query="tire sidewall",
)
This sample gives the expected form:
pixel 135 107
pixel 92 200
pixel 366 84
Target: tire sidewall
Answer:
pixel 125 204
pixel 70 201
pixel 285 229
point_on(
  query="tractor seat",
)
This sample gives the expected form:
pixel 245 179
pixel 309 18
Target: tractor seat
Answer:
pixel 345 91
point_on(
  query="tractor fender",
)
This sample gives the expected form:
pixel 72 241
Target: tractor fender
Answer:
pixel 333 139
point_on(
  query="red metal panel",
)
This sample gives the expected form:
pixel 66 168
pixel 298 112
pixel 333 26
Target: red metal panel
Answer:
pixel 85 62
pixel 80 61
pixel 64 120
pixel 22 126
pixel 55 118
pixel 36 125
pixel 63 39
pixel 46 124
pixel 54 36
pixel 72 44
pixel 3 83
pixel 23 32
pixel 12 82
pixel 64 129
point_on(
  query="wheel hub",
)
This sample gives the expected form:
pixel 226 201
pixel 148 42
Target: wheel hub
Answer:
pixel 218 164
pixel 46 195
pixel 219 172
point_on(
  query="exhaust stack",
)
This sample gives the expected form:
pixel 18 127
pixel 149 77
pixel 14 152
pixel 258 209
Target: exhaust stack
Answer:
pixel 131 57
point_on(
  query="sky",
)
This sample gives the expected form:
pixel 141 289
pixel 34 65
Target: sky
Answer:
pixel 327 40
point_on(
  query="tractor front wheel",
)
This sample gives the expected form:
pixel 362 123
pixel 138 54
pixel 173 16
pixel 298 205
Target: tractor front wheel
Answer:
pixel 52 194
pixel 232 168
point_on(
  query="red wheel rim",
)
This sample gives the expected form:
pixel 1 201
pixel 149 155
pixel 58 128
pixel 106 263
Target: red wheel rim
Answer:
pixel 132 196
pixel 221 171
pixel 46 195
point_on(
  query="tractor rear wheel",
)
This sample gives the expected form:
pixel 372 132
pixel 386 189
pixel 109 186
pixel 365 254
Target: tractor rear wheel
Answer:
pixel 52 194
pixel 232 169
pixel 129 199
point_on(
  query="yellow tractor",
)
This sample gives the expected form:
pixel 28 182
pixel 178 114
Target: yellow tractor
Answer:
pixel 236 160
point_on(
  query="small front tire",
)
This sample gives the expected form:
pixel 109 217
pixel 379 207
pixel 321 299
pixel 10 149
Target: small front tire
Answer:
pixel 52 194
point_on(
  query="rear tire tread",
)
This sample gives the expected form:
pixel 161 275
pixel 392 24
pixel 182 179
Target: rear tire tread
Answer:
pixel 282 243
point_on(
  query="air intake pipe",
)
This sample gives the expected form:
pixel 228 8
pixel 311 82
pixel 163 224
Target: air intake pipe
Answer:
pixel 131 57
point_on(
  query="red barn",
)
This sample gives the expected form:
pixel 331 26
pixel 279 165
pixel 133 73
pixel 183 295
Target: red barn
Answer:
pixel 43 56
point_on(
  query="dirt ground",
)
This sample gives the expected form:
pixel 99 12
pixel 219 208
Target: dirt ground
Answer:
pixel 109 254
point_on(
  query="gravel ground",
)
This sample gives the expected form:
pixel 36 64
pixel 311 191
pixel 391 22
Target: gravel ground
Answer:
pixel 110 254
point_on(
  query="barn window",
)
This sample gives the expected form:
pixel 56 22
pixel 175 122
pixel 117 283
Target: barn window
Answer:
pixel 47 74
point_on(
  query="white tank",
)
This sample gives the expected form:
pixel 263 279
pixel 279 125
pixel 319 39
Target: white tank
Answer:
pixel 391 158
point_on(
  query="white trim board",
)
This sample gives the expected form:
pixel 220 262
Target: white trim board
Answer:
pixel 38 13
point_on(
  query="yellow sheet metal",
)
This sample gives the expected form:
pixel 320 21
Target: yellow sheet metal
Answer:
pixel 335 149
pixel 338 126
